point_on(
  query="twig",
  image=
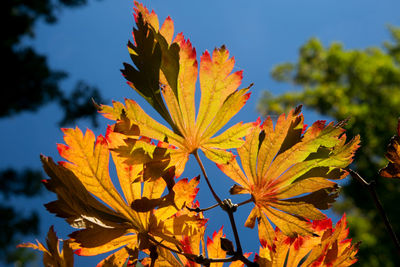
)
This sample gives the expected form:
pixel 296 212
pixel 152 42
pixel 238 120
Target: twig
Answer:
pixel 207 261
pixel 371 189
pixel 203 260
pixel 198 210
pixel 153 255
pixel 230 208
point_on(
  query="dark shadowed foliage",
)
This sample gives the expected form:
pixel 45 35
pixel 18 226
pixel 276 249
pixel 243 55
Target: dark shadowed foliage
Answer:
pixel 28 83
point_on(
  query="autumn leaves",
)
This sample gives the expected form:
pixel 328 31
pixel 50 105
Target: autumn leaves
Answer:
pixel 287 169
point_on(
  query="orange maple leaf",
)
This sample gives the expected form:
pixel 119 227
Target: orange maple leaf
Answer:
pixel 165 74
pixel 191 245
pixel 281 165
pixel 328 247
pixel 143 218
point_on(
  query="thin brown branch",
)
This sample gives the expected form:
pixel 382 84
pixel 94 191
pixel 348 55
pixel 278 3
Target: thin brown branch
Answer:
pixel 230 208
pixel 371 189
pixel 198 210
pixel 203 260
pixel 206 261
pixel 158 243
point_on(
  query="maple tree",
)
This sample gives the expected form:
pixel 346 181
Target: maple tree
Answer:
pixel 288 169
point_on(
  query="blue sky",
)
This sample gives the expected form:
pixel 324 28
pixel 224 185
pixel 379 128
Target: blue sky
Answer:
pixel 90 44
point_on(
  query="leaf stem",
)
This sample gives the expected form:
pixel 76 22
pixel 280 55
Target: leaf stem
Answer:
pixel 196 155
pixel 371 189
pixel 230 208
pixel 245 202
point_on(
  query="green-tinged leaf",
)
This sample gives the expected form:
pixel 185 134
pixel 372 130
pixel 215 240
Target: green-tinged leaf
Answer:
pixel 170 68
pixel 288 173
pixel 233 103
pixel 146 56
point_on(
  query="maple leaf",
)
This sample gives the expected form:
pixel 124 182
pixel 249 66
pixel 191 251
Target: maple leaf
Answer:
pixel 52 256
pixel 392 170
pixel 139 221
pixel 191 245
pixel 288 173
pixel 165 74
pixel 328 247
pixel 214 248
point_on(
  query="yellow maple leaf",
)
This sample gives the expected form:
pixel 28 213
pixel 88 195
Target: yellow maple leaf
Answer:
pixel 144 216
pixel 288 173
pixel 165 74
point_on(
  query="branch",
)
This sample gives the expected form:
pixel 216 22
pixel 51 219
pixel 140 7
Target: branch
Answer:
pixel 200 259
pixel 206 261
pixel 198 210
pixel 371 189
pixel 230 208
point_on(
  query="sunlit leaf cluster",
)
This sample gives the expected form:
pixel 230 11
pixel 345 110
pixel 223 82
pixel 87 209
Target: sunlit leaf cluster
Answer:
pixel 144 213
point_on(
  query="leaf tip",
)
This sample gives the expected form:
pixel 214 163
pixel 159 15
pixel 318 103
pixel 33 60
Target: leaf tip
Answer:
pixel 62 149
pixel 320 225
pixel 101 140
pixel 304 128
pixel 247 96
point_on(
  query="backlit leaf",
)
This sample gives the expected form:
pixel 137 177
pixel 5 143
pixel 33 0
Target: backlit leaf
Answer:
pixel 149 211
pixel 214 248
pixel 174 87
pixel 328 247
pixel 52 256
pixel 287 172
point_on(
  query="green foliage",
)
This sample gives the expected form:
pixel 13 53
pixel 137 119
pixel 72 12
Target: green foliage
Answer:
pixel 363 85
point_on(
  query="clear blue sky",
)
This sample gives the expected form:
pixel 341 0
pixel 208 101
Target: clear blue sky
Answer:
pixel 90 44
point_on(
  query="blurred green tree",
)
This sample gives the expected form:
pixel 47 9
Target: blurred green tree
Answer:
pixel 363 85
pixel 28 83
